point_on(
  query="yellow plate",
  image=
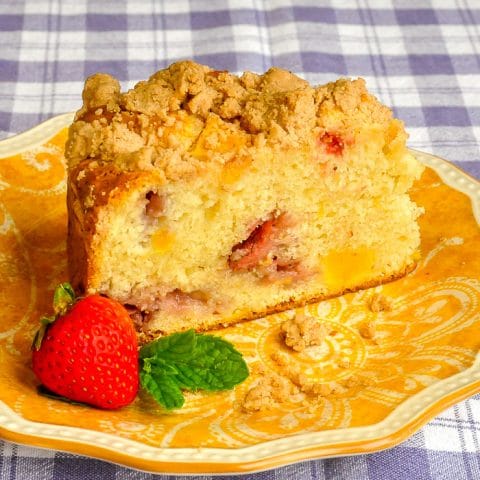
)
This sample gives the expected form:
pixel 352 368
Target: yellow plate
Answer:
pixel 424 357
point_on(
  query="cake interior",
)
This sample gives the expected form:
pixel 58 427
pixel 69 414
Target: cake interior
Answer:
pixel 276 227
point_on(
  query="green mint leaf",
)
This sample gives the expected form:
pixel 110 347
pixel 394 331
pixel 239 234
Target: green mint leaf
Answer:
pixel 226 366
pixel 63 297
pixel 159 367
pixel 213 365
pixel 174 346
pixel 163 388
pixel 193 362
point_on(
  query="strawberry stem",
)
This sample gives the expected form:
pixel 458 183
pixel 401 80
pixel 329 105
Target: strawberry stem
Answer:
pixel 45 322
pixel 63 297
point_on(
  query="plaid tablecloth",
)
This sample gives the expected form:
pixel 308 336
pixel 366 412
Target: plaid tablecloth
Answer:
pixel 420 57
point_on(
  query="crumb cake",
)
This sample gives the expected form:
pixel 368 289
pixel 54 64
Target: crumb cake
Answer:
pixel 200 198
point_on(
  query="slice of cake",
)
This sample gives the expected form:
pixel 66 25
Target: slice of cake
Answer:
pixel 200 198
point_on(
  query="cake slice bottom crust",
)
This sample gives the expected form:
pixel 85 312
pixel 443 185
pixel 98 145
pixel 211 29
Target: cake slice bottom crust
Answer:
pixel 145 334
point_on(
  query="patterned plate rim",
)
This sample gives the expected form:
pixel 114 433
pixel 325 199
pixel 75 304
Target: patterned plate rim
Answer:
pixel 406 419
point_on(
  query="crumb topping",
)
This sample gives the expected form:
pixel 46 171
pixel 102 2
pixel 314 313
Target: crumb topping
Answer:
pixel 305 384
pixel 368 330
pixel 379 303
pixel 301 332
pixel 270 390
pixel 160 123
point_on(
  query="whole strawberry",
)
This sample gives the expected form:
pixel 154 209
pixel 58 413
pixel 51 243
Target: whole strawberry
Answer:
pixel 88 351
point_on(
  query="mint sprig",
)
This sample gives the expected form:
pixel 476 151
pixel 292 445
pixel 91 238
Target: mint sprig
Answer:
pixel 189 361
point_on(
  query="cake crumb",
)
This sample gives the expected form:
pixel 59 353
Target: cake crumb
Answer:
pixel 268 392
pixel 312 408
pixel 317 389
pixel 258 369
pixel 301 332
pixel 352 381
pixel 320 390
pixel 358 380
pixel 303 382
pixel 273 389
pixel 379 303
pixel 280 359
pixel 368 330
pixel 344 362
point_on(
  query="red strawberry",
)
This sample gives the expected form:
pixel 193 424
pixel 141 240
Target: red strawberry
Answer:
pixel 332 143
pixel 88 352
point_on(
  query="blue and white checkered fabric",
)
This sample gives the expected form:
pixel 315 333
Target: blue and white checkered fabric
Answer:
pixel 420 57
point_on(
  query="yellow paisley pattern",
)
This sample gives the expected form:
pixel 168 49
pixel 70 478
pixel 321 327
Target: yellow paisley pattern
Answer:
pixel 430 333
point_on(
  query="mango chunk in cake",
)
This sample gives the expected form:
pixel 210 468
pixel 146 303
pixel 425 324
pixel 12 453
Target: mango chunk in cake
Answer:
pixel 200 198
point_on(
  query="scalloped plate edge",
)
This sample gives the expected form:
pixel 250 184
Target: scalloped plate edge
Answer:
pixel 407 418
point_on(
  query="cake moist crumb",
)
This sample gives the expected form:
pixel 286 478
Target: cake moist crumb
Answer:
pixel 301 332
pixel 379 303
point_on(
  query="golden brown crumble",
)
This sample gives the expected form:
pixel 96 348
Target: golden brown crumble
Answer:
pixel 156 124
pixel 368 330
pixel 270 390
pixel 356 380
pixel 343 362
pixel 301 332
pixel 280 359
pixel 379 303
pixel 310 387
pixel 273 389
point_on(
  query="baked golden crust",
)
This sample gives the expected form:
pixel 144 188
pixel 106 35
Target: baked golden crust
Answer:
pixel 91 186
pixel 145 336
